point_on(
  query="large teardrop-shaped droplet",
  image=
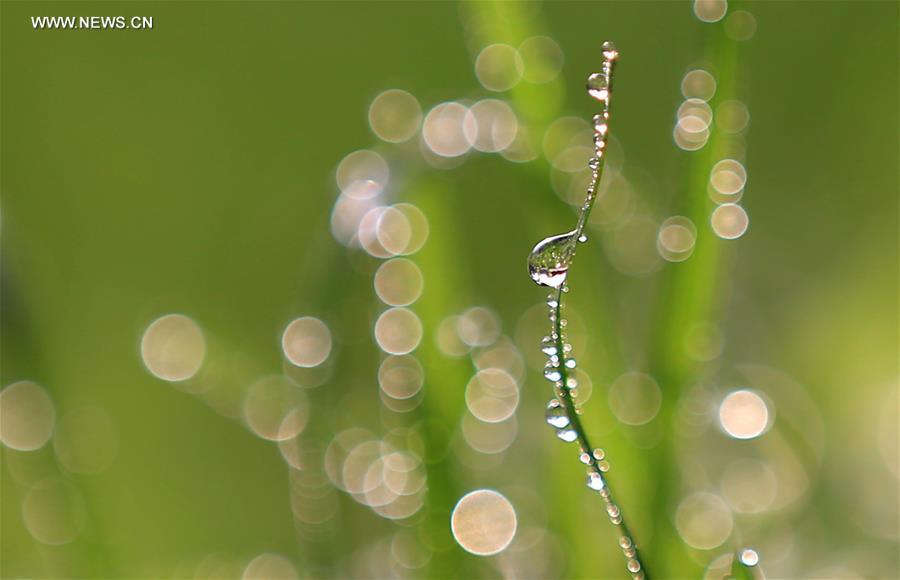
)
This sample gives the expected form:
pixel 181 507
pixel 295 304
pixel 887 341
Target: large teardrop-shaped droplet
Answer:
pixel 556 415
pixel 548 262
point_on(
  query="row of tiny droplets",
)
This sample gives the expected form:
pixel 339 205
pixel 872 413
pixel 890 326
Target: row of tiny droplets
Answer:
pixel 599 86
pixel 557 372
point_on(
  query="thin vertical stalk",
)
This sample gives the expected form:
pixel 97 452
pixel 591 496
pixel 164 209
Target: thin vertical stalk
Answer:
pixel 693 295
pixel 559 368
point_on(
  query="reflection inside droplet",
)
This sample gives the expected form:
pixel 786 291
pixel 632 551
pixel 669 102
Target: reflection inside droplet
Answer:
pixel 548 262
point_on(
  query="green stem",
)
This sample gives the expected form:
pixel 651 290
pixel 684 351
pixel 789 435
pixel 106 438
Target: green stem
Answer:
pixel 597 466
pixel 693 295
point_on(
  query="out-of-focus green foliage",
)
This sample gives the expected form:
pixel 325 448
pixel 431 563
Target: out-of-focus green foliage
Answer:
pixel 191 169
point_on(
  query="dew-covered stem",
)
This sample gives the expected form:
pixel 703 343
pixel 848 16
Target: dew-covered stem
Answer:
pixel 599 86
pixel 563 415
pixel 548 265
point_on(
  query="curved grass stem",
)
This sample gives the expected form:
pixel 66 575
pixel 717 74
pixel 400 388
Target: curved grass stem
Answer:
pixel 548 265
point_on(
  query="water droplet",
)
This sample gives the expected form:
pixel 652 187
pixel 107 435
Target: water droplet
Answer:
pixel 571 383
pixel 634 566
pixel 549 350
pixel 609 50
pixel 582 238
pixel 598 86
pixel 595 481
pixel 570 363
pixel 749 557
pixel 567 435
pixel 604 466
pixel 594 163
pixel 599 454
pixel 585 458
pixel 548 263
pixel 624 542
pixel 556 415
pixel 613 510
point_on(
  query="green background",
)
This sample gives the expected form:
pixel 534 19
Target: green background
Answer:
pixel 190 168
